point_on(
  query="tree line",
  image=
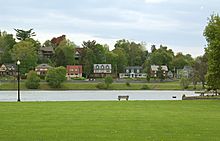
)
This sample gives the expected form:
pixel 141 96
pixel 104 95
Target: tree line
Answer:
pixel 125 53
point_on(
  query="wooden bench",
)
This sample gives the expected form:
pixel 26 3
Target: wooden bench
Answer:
pixel 123 97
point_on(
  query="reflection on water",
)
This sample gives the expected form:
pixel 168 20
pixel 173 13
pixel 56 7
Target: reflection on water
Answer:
pixel 93 95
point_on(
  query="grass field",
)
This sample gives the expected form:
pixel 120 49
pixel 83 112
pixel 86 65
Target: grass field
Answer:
pixel 111 121
pixel 114 86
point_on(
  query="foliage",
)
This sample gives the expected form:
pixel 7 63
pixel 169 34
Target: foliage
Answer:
pixel 56 76
pixel 200 69
pixel 108 81
pixel 6 44
pixel 128 84
pixel 184 83
pixel 101 86
pixel 24 34
pixel 64 53
pixel 160 74
pixel 212 34
pixel 162 56
pixel 145 87
pixel 134 52
pixel 26 53
pixel 33 80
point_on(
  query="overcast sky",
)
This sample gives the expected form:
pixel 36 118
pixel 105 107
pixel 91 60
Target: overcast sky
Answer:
pixel 179 24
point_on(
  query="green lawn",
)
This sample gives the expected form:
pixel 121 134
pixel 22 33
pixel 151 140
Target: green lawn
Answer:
pixel 110 121
pixel 115 86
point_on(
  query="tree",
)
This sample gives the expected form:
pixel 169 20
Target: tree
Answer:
pixel 162 56
pixel 160 74
pixel 184 83
pixel 56 76
pixel 135 52
pixel 121 59
pixel 64 53
pixel 6 44
pixel 108 81
pixel 33 80
pixel 212 34
pixel 24 34
pixel 26 53
pixel 200 69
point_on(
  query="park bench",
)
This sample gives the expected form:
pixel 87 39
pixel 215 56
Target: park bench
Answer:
pixel 123 97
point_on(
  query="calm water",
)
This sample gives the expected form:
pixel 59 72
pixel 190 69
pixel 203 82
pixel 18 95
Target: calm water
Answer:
pixel 92 95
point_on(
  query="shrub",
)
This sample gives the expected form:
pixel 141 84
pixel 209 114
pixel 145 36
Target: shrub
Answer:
pixel 184 83
pixel 101 86
pixel 33 81
pixel 145 87
pixel 128 84
pixel 108 81
pixel 56 76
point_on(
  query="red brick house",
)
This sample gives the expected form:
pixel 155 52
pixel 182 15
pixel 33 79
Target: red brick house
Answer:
pixel 74 71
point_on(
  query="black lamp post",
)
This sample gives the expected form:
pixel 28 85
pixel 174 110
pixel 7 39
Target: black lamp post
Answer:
pixel 18 64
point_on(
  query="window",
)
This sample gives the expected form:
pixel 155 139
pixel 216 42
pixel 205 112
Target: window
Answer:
pixel 107 67
pixel 97 66
pixel 102 67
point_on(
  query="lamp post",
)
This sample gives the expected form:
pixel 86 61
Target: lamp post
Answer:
pixel 18 64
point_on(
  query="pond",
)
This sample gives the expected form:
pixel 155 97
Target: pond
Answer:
pixel 85 95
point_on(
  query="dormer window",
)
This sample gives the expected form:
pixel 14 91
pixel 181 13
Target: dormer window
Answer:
pixel 102 67
pixel 107 67
pixel 97 66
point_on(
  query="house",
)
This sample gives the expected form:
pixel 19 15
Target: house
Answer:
pixel 133 72
pixel 155 69
pixel 102 70
pixel 46 52
pixel 8 69
pixel 186 72
pixel 74 71
pixel 42 69
pixel 170 74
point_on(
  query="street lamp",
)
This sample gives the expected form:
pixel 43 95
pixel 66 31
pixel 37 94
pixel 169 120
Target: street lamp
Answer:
pixel 18 64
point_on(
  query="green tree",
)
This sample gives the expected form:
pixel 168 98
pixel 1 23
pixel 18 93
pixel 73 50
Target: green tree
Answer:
pixel 108 81
pixel 64 53
pixel 184 83
pixel 24 34
pixel 135 52
pixel 26 53
pixel 160 74
pixel 56 76
pixel 121 59
pixel 162 56
pixel 200 67
pixel 6 44
pixel 33 80
pixel 212 34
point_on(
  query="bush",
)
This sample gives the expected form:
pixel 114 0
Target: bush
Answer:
pixel 33 81
pixel 101 86
pixel 184 83
pixel 56 76
pixel 145 87
pixel 108 81
pixel 128 84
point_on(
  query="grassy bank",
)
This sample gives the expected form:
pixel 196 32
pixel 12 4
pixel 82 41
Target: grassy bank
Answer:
pixel 111 121
pixel 114 86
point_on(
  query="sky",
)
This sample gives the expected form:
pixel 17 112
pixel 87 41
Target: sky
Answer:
pixel 178 24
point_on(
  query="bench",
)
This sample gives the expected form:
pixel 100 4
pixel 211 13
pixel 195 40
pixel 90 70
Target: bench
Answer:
pixel 123 97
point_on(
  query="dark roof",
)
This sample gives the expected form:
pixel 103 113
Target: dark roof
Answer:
pixel 47 49
pixel 43 66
